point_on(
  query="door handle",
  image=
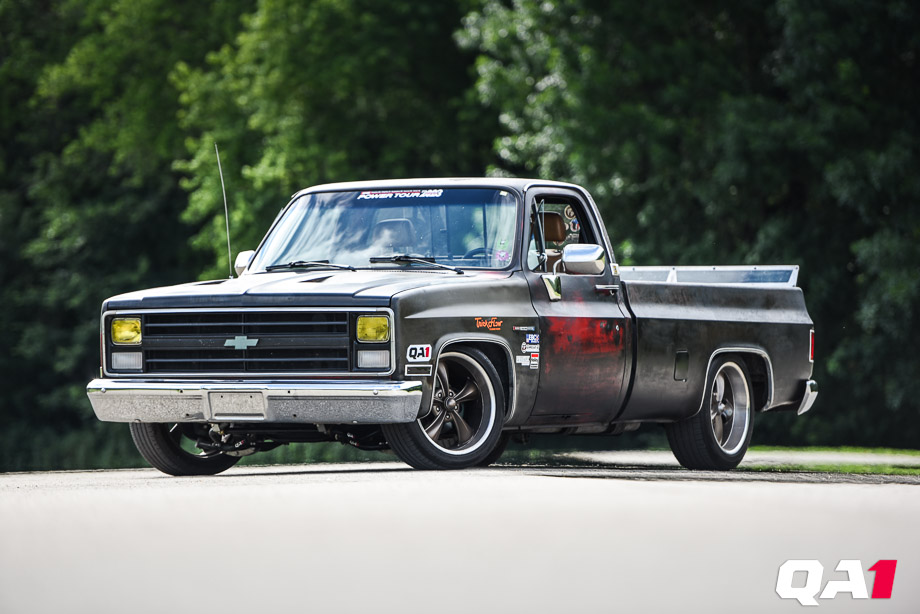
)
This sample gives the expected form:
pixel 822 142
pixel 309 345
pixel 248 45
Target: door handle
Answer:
pixel 607 289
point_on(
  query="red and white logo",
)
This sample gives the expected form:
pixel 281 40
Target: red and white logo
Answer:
pixel 790 587
pixel 418 353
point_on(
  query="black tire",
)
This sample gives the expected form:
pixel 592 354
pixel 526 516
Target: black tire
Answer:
pixel 161 446
pixel 701 441
pixel 497 451
pixel 464 424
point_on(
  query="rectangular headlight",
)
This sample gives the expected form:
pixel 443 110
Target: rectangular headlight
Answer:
pixel 126 331
pixel 373 329
pixel 127 360
pixel 373 359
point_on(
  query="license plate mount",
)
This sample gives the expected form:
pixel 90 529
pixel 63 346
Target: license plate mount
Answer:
pixel 237 405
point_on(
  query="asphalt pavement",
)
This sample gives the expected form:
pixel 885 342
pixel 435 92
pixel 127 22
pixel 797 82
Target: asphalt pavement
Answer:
pixel 595 534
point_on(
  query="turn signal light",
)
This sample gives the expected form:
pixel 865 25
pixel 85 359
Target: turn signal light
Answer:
pixel 127 361
pixel 373 359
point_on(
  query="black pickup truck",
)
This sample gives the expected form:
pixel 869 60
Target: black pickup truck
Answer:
pixel 438 318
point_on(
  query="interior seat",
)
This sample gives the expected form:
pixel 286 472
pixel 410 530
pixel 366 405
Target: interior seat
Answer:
pixel 397 234
pixel 555 231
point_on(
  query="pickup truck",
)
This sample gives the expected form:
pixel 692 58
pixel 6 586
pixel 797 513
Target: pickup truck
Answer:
pixel 437 318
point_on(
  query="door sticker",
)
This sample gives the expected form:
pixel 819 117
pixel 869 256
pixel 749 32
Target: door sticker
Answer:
pixel 493 323
pixel 418 353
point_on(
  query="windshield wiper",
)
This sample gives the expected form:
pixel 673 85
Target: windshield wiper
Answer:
pixel 309 264
pixel 407 259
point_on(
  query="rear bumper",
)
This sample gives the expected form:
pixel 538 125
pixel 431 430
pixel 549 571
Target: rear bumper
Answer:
pixel 314 402
pixel 811 393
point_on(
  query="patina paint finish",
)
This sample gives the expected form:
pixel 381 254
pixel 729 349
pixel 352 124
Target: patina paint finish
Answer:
pixel 582 353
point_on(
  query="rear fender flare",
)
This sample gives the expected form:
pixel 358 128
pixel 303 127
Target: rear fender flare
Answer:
pixel 748 354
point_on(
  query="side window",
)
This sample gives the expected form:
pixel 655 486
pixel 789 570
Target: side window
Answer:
pixel 562 225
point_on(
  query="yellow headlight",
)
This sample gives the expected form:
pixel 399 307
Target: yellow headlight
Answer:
pixel 373 329
pixel 126 331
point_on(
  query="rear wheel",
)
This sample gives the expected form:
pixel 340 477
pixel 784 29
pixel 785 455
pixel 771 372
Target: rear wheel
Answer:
pixel 171 449
pixel 464 424
pixel 717 437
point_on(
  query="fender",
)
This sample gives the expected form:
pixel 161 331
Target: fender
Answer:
pixel 741 350
pixel 475 338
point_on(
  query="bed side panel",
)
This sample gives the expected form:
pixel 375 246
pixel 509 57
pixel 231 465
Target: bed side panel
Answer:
pixel 700 319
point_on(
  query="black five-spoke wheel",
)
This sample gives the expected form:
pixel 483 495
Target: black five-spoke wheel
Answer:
pixel 464 423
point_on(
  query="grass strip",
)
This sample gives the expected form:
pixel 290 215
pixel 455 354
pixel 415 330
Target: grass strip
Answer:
pixel 825 468
pixel 849 449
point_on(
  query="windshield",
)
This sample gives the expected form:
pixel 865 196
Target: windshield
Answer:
pixel 462 227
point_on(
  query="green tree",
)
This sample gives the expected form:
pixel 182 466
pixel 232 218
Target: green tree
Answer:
pixel 108 115
pixel 34 33
pixel 90 202
pixel 331 90
pixel 725 132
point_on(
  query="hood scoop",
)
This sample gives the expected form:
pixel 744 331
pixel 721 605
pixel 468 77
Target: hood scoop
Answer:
pixel 213 282
pixel 316 280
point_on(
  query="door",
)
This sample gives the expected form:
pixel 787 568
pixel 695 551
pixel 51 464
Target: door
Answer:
pixel 585 345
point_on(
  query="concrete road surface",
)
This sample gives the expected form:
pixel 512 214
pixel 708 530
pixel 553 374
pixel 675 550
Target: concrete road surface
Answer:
pixel 384 538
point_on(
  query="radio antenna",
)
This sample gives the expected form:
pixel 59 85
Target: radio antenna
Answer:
pixel 226 211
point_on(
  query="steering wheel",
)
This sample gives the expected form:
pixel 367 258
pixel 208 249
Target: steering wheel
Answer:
pixel 479 251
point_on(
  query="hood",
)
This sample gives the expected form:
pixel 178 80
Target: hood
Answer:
pixel 291 289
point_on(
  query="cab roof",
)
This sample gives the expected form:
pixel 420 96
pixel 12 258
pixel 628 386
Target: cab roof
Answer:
pixel 514 183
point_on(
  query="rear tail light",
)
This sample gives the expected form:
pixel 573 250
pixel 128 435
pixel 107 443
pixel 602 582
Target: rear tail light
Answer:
pixel 811 346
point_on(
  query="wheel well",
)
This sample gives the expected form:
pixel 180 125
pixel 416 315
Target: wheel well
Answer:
pixel 498 356
pixel 760 377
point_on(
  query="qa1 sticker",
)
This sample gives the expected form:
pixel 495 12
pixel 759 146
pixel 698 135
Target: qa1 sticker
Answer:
pixel 418 353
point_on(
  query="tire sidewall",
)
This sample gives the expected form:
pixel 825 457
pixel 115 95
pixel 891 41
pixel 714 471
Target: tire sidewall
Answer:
pixel 158 448
pixel 728 461
pixel 442 459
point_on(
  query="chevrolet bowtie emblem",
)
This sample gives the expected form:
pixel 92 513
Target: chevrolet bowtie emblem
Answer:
pixel 240 343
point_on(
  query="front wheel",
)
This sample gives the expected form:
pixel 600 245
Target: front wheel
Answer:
pixel 497 451
pixel 170 448
pixel 464 424
pixel 717 437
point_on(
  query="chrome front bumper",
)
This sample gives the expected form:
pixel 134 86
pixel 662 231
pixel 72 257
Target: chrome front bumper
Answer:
pixel 811 393
pixel 314 402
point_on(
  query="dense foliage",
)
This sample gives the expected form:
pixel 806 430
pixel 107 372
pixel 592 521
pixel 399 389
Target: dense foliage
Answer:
pixel 741 132
pixel 771 131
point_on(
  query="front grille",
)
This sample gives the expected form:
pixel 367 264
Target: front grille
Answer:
pixel 246 342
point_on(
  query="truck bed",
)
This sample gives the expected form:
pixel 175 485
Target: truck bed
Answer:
pixel 686 316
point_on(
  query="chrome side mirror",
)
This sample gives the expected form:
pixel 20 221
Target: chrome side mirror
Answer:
pixel 584 259
pixel 242 261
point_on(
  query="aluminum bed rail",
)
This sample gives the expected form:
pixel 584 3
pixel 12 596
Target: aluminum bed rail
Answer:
pixel 783 275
